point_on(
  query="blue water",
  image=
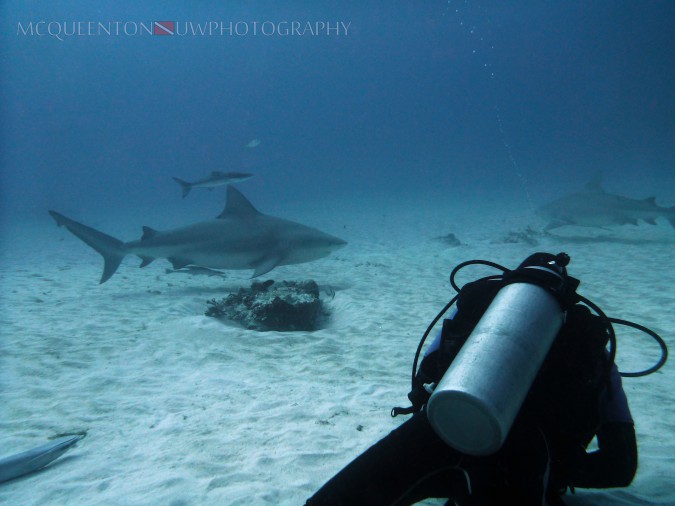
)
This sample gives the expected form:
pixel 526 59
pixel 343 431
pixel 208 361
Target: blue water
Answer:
pixel 426 100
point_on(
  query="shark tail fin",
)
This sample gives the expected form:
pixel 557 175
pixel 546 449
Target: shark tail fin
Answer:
pixel 185 186
pixel 112 250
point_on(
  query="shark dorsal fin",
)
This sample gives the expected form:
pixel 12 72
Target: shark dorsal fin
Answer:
pixel 595 184
pixel 217 173
pixel 237 205
pixel 650 200
pixel 148 233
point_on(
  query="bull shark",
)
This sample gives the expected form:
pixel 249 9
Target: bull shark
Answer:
pixel 594 207
pixel 216 178
pixel 241 237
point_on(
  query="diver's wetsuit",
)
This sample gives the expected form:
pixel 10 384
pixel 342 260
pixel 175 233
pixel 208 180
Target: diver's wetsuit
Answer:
pixel 412 463
pixel 615 462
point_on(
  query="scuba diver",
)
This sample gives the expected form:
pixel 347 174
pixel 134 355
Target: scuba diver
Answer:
pixel 506 401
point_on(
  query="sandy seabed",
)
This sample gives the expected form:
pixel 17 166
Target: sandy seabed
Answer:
pixel 182 409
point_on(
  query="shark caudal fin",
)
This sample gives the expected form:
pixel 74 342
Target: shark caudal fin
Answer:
pixel 111 249
pixel 184 185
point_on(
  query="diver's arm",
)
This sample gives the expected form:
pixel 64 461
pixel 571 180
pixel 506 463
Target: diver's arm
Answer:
pixel 613 464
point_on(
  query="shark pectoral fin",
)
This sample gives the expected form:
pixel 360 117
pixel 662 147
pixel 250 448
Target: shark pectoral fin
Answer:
pixel 146 261
pixel 179 263
pixel 265 264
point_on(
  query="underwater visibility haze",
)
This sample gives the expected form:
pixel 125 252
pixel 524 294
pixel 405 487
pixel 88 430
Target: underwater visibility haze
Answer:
pixel 417 101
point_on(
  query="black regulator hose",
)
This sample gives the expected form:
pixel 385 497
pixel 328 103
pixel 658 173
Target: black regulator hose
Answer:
pixel 612 340
pixel 656 337
pixel 475 262
pixel 426 334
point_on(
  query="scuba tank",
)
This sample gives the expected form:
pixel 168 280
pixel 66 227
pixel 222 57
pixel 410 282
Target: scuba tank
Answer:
pixel 476 402
pixel 494 346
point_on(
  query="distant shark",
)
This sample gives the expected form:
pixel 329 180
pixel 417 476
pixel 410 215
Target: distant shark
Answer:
pixel 240 238
pixel 216 178
pixel 594 207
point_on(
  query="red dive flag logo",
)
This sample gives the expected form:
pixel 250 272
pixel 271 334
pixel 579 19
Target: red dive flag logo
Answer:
pixel 164 28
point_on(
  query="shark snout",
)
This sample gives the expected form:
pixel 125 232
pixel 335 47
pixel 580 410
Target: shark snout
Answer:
pixel 324 245
pixel 327 247
pixel 335 243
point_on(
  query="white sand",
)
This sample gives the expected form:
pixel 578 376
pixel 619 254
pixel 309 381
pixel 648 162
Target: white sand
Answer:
pixel 181 409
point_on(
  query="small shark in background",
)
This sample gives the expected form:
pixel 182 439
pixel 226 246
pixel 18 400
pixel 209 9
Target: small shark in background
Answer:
pixel 241 237
pixel 594 207
pixel 216 178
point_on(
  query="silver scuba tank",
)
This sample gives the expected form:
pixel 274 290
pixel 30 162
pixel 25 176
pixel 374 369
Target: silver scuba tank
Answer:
pixel 477 400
